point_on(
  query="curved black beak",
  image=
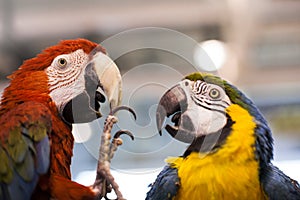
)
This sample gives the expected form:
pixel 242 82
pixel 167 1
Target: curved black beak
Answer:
pixel 174 101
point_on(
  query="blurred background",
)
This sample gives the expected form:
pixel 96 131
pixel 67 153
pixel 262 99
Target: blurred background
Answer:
pixel 254 44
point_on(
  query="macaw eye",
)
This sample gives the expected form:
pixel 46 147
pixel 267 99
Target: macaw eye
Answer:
pixel 214 93
pixel 62 62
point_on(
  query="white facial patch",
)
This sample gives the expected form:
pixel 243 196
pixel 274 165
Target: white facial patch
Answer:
pixel 205 121
pixel 206 106
pixel 66 77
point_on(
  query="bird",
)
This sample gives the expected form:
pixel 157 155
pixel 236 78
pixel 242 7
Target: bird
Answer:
pixel 64 84
pixel 230 145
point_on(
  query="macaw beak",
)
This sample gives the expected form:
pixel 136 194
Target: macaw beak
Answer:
pixel 110 78
pixel 174 103
pixel 169 104
pixel 102 81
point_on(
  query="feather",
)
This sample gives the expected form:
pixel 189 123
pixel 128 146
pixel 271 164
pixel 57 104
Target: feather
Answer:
pixel 165 186
pixel 240 165
pixel 24 150
pixel 277 185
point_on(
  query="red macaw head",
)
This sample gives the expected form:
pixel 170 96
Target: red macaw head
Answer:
pixel 75 75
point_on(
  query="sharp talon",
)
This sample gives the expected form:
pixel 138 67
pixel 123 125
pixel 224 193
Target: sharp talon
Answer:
pixel 113 112
pixel 121 132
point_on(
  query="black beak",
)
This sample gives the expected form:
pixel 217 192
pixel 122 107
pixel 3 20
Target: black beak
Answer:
pixel 173 101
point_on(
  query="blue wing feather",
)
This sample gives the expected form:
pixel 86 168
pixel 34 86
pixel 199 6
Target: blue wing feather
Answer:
pixel 165 186
pixel 277 185
pixel 24 148
pixel 42 160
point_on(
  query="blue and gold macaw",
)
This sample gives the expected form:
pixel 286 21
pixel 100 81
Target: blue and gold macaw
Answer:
pixel 231 146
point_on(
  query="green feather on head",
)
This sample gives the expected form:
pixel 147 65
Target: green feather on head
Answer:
pixel 234 94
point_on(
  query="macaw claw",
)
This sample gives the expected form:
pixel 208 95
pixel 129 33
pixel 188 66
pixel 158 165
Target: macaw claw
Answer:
pixel 105 182
pixel 122 132
pixel 115 110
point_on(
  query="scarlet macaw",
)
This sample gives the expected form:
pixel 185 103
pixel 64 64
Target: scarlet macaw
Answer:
pixel 62 85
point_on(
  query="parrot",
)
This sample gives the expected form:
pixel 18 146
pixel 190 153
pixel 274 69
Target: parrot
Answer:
pixel 62 85
pixel 230 145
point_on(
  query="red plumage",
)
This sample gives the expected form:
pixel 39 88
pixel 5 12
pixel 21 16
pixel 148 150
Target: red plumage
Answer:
pixel 29 88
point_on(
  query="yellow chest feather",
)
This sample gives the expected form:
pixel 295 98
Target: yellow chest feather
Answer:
pixel 230 173
pixel 204 179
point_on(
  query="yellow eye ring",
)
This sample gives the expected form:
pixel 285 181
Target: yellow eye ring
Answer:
pixel 62 62
pixel 214 93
